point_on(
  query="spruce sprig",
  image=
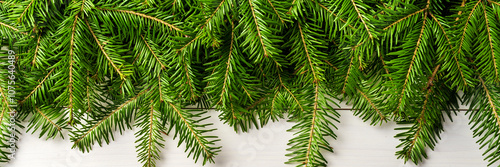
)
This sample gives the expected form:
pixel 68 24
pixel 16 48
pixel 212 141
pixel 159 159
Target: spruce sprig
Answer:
pixel 95 67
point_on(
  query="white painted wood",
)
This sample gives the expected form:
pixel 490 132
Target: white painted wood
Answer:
pixel 358 145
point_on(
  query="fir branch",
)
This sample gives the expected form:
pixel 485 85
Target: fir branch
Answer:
pixel 187 44
pixel 37 87
pixel 51 123
pixel 181 60
pixel 442 30
pixel 226 74
pixel 149 139
pixel 153 53
pixel 198 140
pixel 213 20
pixel 291 94
pixel 101 47
pixel 171 26
pixel 48 119
pixel 247 92
pixel 380 114
pixel 404 18
pixel 313 126
pixel 306 51
pixel 313 123
pixel 331 65
pixel 257 102
pixel 491 103
pixel 484 117
pixel 88 92
pixel 273 102
pixel 331 12
pixel 420 125
pixel 224 84
pixel 490 42
pixel 186 128
pixel 150 135
pixel 5 102
pixel 266 53
pixel 276 12
pixel 459 68
pixel 213 14
pixel 426 126
pixel 460 12
pixel 493 2
pixel 467 22
pixel 312 129
pixel 347 75
pixel 361 17
pixel 24 11
pixel 11 27
pixel 81 7
pixel 368 104
pixel 159 88
pixel 85 140
pixel 431 79
pixel 293 4
pixel 5 119
pixel 36 49
pixel 412 62
pixel 421 119
pixel 70 83
pixel 233 112
pixel 385 66
pixel 259 38
pixel 256 68
pixel 188 78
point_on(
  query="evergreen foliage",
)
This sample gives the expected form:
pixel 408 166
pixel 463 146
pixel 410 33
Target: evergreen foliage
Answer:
pixel 95 67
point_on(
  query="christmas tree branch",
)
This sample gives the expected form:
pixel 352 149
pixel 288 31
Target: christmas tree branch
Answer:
pixel 171 26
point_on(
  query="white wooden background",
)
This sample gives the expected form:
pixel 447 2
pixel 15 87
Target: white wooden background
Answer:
pixel 358 145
